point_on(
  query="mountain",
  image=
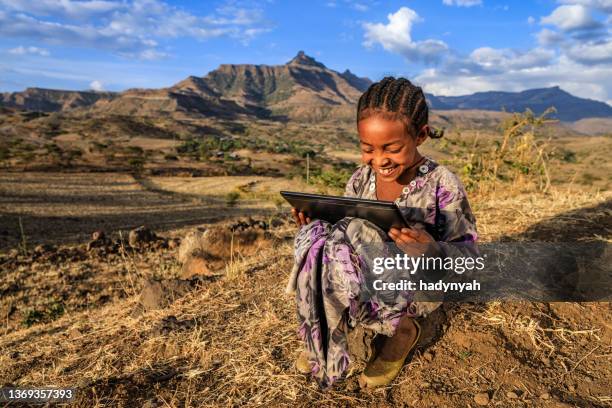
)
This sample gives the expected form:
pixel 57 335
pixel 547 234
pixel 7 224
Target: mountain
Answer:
pixel 301 89
pixel 569 107
pixel 51 100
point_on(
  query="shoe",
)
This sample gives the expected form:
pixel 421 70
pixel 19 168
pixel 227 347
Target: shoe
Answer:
pixel 379 372
pixel 302 364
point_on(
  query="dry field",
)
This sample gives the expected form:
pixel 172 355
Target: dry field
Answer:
pixel 75 313
pixel 231 340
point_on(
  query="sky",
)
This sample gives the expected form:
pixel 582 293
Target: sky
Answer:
pixel 449 47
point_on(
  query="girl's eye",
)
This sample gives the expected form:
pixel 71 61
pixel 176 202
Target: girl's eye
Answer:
pixel 395 150
pixel 367 150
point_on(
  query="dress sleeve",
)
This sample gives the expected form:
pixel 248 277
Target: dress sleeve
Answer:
pixel 455 221
pixel 354 186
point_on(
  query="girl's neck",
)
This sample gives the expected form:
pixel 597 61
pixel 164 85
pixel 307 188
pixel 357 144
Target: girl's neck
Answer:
pixel 410 172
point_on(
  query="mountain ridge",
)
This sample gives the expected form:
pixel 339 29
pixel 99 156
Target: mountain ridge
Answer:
pixel 301 89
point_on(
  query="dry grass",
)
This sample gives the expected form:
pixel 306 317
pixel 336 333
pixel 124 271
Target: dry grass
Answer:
pixel 238 344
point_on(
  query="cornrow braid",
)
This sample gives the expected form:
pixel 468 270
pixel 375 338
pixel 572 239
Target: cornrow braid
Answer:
pixel 397 99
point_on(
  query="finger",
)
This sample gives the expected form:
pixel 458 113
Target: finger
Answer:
pixel 411 232
pixel 302 219
pixel 296 218
pixel 405 238
pixel 308 220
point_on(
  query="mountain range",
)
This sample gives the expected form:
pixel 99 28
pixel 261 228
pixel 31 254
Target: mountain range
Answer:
pixel 301 89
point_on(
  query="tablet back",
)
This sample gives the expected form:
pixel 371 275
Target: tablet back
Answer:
pixel 385 214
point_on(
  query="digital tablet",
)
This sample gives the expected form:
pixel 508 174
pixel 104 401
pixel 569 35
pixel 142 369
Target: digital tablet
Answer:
pixel 385 214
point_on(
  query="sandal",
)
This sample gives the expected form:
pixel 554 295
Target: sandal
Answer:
pixel 379 372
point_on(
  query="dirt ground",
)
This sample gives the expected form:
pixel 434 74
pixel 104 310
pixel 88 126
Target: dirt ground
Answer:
pixel 72 316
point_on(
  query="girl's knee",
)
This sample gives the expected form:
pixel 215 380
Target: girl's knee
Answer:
pixel 364 231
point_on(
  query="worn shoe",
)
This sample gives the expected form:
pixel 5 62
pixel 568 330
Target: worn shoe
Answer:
pixel 380 372
pixel 302 364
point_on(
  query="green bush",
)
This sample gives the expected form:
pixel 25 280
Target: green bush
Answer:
pixel 231 198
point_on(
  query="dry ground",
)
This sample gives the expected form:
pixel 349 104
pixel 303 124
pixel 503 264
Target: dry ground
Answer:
pixel 232 341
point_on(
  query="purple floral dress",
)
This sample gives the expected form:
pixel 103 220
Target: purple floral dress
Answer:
pixel 331 267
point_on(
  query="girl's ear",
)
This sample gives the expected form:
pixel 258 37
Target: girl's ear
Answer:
pixel 422 135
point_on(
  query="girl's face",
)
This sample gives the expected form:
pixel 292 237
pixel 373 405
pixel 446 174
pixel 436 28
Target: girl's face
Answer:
pixel 387 147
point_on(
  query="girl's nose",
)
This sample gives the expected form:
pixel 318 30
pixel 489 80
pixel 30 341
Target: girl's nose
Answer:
pixel 382 161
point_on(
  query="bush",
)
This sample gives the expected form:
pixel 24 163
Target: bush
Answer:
pixel 231 198
pixel 518 157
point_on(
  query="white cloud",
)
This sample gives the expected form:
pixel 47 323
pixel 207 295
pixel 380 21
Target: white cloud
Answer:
pixel 494 59
pixel 604 6
pixel 360 7
pixel 132 28
pixel 96 86
pixel 64 8
pixel 396 37
pixel 591 53
pixel 462 3
pixel 21 50
pixel 549 37
pixel 587 82
pixel 530 20
pixel 570 17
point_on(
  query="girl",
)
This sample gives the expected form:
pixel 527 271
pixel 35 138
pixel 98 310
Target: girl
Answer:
pixel 331 270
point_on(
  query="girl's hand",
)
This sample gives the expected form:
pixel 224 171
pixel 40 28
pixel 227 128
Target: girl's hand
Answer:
pixel 414 241
pixel 300 218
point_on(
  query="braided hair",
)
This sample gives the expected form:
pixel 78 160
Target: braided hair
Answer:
pixel 397 99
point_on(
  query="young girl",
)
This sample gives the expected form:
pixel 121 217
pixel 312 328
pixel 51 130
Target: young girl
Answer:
pixel 330 272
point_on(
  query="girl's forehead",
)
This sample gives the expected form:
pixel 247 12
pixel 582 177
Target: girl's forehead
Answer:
pixel 376 128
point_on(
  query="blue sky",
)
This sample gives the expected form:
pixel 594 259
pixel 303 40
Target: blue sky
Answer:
pixel 450 47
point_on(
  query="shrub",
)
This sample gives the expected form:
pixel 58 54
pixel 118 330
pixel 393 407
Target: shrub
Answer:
pixel 518 158
pixel 231 198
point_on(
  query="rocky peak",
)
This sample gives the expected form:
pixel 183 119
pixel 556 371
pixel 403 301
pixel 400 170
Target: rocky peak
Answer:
pixel 302 59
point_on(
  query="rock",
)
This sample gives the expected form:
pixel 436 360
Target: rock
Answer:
pixel 220 243
pixel 43 249
pixel 511 395
pixel 98 240
pixel 545 396
pixel 361 345
pixel 428 356
pixel 98 235
pixel 174 243
pixel 196 265
pixel 159 294
pixel 276 222
pixel 193 242
pixel 481 398
pixel 140 236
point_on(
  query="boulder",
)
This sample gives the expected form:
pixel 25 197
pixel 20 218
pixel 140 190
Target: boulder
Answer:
pixel 141 235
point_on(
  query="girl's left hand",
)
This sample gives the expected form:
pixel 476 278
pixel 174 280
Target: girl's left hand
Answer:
pixel 414 241
pixel 410 235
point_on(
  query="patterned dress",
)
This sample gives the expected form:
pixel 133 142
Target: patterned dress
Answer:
pixel 331 267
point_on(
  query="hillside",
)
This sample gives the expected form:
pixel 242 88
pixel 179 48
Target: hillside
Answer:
pixel 569 108
pixel 52 100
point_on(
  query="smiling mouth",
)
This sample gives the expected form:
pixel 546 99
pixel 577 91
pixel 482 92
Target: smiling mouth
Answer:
pixel 387 170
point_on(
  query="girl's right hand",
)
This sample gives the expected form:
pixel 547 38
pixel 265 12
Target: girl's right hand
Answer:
pixel 300 218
